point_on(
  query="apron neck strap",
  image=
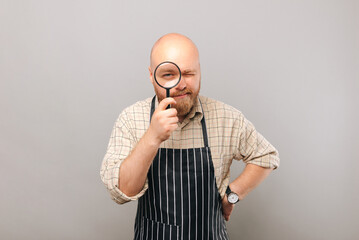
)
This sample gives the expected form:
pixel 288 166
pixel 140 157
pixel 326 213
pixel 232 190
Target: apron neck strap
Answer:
pixel 203 122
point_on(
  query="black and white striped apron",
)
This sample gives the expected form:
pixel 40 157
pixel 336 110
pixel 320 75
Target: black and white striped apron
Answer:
pixel 182 200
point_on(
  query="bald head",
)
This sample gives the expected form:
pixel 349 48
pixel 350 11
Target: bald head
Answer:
pixel 182 51
pixel 174 47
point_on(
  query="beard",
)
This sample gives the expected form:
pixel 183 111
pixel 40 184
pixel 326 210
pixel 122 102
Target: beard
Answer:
pixel 185 105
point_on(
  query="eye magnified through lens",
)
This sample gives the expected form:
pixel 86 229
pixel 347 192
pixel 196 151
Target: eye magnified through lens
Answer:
pixel 167 75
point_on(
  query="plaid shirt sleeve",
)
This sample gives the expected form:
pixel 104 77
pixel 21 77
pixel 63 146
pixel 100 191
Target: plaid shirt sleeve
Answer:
pixel 121 143
pixel 254 148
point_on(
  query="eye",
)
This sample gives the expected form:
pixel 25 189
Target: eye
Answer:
pixel 167 75
pixel 188 74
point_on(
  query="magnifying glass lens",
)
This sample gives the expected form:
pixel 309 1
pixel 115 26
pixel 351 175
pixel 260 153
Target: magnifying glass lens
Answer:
pixel 167 75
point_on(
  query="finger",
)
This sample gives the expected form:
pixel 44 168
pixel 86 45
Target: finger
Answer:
pixel 165 102
pixel 171 112
pixel 173 127
pixel 173 120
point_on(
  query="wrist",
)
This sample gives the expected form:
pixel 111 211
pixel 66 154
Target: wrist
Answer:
pixel 232 197
pixel 236 190
pixel 151 139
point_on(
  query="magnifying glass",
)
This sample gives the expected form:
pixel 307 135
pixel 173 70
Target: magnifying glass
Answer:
pixel 167 75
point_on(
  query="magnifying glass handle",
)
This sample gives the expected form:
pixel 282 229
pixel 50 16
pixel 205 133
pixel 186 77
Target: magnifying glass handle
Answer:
pixel 168 95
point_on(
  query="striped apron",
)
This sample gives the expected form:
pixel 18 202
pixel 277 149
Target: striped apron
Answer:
pixel 182 200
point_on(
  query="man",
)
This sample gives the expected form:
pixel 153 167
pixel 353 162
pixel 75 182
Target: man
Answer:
pixel 176 161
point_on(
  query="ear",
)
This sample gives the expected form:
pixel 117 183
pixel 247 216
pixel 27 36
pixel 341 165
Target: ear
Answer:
pixel 151 75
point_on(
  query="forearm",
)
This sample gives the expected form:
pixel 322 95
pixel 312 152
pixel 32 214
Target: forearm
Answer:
pixel 133 170
pixel 250 178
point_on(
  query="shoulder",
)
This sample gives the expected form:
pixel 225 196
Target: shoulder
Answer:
pixel 140 106
pixel 215 108
pixel 139 111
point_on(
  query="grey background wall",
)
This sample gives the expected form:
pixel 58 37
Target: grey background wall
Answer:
pixel 68 68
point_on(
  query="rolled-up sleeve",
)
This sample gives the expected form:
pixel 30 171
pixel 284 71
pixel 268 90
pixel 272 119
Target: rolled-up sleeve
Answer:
pixel 121 143
pixel 254 148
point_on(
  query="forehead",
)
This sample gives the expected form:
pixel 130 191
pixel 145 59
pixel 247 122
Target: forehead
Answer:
pixel 184 54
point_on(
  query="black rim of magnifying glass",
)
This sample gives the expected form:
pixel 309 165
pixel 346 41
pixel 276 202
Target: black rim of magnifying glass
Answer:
pixel 179 79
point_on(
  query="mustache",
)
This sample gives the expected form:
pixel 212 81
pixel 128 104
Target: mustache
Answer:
pixel 187 91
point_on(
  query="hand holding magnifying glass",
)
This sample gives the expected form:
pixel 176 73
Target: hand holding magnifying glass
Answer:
pixel 167 75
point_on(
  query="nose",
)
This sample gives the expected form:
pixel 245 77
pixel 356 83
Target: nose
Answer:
pixel 181 85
